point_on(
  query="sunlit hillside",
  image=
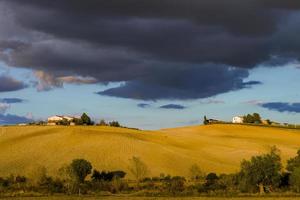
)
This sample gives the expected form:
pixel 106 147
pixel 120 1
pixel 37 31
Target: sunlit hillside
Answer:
pixel 218 148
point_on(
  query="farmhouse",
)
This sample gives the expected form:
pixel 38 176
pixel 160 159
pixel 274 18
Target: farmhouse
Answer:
pixel 53 120
pixel 212 121
pixel 238 120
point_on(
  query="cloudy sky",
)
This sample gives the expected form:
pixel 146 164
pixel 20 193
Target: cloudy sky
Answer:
pixel 149 63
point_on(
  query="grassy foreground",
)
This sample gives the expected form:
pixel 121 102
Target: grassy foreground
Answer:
pixel 149 198
pixel 218 148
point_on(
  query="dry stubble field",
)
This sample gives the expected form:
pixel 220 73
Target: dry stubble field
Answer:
pixel 217 148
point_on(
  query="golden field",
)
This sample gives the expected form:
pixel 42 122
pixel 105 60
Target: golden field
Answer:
pixel 217 148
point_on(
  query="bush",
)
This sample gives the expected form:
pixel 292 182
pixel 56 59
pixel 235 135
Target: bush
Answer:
pixel 293 163
pixel 102 123
pixel 175 185
pixel 4 182
pixel 80 168
pixel 77 121
pixel 52 186
pixel 228 182
pixel 295 179
pixel 285 181
pixel 107 176
pixel 211 182
pixel 114 124
pixel 63 122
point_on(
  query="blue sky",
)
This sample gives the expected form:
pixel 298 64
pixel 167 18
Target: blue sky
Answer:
pixel 279 84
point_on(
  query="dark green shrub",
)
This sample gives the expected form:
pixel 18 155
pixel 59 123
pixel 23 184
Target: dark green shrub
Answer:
pixel 80 168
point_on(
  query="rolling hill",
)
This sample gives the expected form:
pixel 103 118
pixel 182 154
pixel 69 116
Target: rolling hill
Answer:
pixel 218 148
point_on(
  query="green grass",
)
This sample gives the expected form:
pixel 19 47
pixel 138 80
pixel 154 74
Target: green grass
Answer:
pixel 219 148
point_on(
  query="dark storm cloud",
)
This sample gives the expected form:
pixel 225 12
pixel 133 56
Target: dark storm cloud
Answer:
pixel 173 106
pixel 192 83
pixel 243 17
pixel 160 48
pixel 8 84
pixel 11 100
pixel 9 119
pixel 282 106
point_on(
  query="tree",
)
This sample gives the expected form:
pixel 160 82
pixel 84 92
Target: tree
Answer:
pixel 102 123
pixel 205 121
pixel 248 119
pixel 68 178
pixel 295 179
pixel 254 118
pixel 195 173
pixel 86 119
pixel 80 169
pixel 262 172
pixel 138 168
pixel 257 118
pixel 293 163
pixel 211 178
pixel 114 124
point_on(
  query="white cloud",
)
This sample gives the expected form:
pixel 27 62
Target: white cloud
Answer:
pixel 4 107
pixel 47 81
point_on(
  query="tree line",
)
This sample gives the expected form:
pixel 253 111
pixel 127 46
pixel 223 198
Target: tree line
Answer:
pixel 261 174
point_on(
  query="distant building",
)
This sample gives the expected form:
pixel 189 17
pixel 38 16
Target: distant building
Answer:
pixel 68 118
pixel 53 120
pixel 238 120
pixel 22 124
pixel 214 121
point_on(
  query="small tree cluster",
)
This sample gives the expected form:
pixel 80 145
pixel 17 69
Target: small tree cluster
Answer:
pixel 261 174
pixel 112 123
pixel 252 119
pixel 83 120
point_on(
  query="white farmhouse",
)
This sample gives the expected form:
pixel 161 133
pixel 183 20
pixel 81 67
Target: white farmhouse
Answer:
pixel 68 118
pixel 55 118
pixel 238 120
pixel 52 121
